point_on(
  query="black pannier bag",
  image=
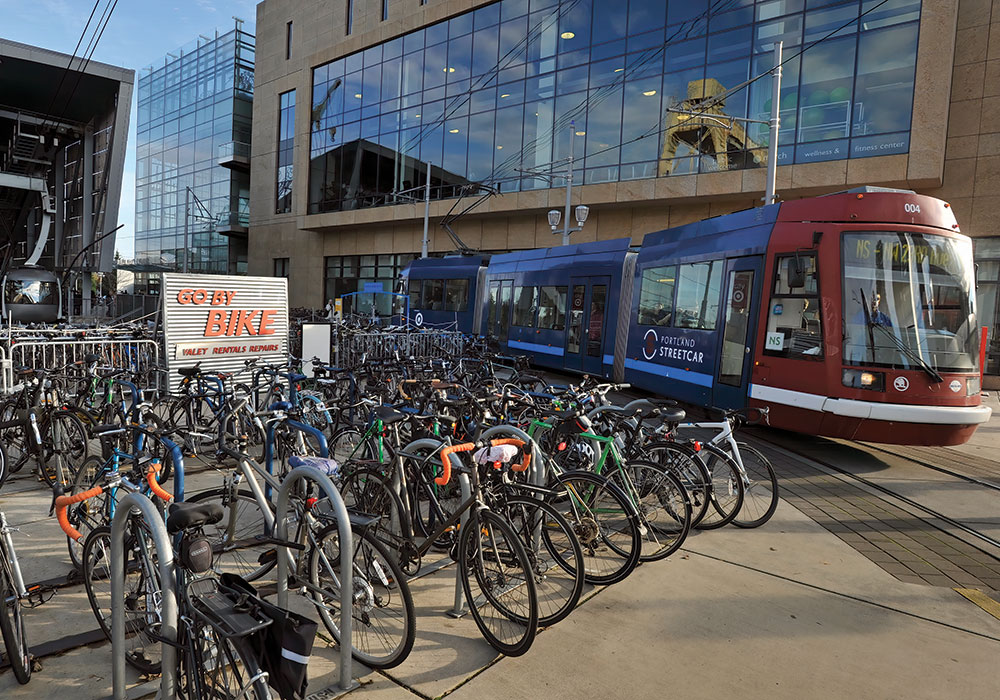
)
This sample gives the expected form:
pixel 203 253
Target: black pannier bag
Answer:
pixel 283 647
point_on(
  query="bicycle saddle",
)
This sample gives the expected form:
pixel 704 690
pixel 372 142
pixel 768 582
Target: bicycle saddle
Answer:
pixel 189 371
pixel 186 516
pixel 389 415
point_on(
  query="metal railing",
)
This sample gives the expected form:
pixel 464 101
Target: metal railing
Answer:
pixel 138 355
pixel 233 149
pixel 354 348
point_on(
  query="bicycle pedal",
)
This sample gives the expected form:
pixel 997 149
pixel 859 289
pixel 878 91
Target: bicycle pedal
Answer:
pixel 268 557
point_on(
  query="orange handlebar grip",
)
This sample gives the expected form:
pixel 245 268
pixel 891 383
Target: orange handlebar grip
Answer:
pixel 523 466
pixel 64 501
pixel 446 461
pixel 154 469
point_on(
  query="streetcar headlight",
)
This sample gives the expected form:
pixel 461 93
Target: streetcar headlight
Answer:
pixel 973 386
pixel 863 379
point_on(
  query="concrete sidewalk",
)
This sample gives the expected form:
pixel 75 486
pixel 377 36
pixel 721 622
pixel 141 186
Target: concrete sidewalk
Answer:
pixel 784 611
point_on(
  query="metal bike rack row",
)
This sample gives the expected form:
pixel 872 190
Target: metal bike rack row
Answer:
pixel 352 347
pixel 168 587
pixel 168 594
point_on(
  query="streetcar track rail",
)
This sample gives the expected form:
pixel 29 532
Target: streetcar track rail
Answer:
pixel 934 467
pixel 934 514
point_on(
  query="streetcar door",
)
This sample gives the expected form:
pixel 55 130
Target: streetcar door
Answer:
pixel 587 324
pixel 739 325
pixel 498 319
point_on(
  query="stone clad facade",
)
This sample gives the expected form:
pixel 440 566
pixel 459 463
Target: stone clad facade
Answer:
pixel 953 149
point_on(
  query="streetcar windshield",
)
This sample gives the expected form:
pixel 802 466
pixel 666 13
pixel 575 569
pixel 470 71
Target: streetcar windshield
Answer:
pixel 909 301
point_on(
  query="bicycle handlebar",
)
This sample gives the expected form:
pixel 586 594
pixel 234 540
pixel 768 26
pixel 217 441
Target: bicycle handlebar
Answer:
pixel 469 446
pixel 154 486
pixel 63 502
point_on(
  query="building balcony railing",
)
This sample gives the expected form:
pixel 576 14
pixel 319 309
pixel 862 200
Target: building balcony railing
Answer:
pixel 233 223
pixel 234 155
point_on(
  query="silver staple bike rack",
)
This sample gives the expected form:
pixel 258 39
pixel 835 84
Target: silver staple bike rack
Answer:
pixel 346 563
pixel 168 593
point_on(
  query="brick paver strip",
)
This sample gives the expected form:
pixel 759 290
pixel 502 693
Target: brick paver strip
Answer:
pixel 900 543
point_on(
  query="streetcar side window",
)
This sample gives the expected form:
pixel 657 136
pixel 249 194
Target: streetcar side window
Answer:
pixel 699 288
pixel 552 308
pixel 656 295
pixel 456 295
pixel 524 307
pixel 433 299
pixel 794 318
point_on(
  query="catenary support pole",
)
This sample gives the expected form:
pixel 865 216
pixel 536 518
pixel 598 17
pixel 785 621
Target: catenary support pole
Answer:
pixel 569 184
pixel 772 146
pixel 427 211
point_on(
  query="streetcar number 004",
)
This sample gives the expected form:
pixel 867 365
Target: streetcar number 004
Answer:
pixel 911 208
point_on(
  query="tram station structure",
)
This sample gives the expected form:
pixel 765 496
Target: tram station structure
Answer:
pixel 357 100
pixel 63 130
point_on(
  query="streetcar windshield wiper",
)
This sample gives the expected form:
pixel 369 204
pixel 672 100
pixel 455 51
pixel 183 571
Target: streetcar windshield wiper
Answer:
pixel 908 351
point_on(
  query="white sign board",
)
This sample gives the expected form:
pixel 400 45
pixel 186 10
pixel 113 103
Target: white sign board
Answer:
pixel 315 343
pixel 775 341
pixel 221 321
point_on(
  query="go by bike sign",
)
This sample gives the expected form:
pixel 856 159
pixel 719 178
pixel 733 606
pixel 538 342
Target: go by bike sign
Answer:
pixel 220 321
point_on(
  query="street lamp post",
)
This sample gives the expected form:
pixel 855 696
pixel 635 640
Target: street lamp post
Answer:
pixel 569 183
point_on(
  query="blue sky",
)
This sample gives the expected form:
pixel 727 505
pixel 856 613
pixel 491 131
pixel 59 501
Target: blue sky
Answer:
pixel 140 32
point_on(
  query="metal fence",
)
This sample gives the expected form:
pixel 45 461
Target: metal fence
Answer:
pixel 139 355
pixel 354 348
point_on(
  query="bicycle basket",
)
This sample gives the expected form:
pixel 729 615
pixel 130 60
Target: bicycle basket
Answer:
pixel 283 647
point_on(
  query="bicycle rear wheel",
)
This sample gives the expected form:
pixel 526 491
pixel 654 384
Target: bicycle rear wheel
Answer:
pixel 12 624
pixel 222 668
pixel 663 505
pixel 760 499
pixel 727 488
pixel 683 463
pixel 499 586
pixel 554 552
pixel 604 521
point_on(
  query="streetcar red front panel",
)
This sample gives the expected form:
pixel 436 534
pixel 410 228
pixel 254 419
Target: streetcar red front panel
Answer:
pixel 869 331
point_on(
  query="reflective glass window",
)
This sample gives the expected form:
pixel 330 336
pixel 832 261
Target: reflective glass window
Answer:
pixel 524 306
pixel 699 287
pixel 552 308
pixel 656 295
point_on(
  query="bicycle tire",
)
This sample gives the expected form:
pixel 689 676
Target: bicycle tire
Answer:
pixel 508 625
pixel 4 470
pixel 424 492
pixel 760 497
pixel 727 487
pixel 376 580
pixel 63 436
pixel 554 553
pixel 222 668
pixel 367 491
pixel 12 627
pixel 663 504
pixel 238 552
pixel 143 652
pixel 14 438
pixel 684 463
pixel 90 514
pixel 604 521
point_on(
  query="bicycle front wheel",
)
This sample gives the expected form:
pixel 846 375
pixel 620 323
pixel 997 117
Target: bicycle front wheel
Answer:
pixel 12 624
pixel 384 620
pixel 142 592
pixel 498 582
pixel 554 552
pixel 760 499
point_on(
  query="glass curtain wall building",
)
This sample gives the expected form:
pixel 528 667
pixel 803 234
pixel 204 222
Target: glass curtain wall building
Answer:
pixel 644 88
pixel 195 113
